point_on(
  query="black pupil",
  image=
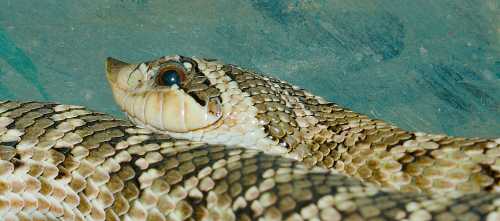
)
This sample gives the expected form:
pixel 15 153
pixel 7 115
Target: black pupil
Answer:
pixel 170 78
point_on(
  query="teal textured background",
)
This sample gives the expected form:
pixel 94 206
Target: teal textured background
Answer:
pixel 426 65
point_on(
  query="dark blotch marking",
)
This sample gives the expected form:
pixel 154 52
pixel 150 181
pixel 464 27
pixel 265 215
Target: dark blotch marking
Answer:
pixel 10 144
pixel 63 150
pixel 197 98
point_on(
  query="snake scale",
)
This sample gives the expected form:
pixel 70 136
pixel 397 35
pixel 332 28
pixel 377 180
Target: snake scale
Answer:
pixel 214 141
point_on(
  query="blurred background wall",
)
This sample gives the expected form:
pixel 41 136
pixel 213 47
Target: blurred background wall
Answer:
pixel 425 65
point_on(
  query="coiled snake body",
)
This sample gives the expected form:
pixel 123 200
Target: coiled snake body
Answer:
pixel 211 141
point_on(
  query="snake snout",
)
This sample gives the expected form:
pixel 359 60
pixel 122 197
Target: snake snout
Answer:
pixel 113 67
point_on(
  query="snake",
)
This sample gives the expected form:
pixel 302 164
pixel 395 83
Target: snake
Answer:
pixel 206 140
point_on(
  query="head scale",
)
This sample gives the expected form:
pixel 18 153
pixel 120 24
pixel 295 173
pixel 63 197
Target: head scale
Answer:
pixel 168 94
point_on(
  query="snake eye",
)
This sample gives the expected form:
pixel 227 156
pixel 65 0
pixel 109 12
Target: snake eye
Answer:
pixel 170 78
pixel 170 75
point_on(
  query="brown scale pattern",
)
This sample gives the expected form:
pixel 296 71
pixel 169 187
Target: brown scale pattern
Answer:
pixel 60 162
pixel 326 135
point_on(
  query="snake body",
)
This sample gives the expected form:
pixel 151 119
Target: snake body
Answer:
pixel 257 149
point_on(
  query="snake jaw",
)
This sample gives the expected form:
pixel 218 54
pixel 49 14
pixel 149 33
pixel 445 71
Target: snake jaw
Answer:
pixel 167 109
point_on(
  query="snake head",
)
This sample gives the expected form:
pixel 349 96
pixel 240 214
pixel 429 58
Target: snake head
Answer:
pixel 167 94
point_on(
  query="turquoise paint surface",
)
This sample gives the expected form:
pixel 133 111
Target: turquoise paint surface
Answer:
pixel 22 64
pixel 431 66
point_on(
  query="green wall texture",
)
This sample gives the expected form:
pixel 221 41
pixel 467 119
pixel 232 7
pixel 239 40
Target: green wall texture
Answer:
pixel 425 65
